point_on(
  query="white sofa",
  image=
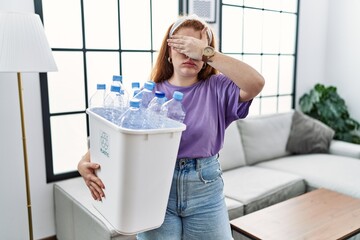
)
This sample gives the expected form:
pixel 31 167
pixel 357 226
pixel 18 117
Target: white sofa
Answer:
pixel 257 172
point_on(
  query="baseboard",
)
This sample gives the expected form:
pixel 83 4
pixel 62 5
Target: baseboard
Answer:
pixel 49 238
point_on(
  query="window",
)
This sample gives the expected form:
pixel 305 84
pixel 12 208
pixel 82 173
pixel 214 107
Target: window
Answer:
pixel 263 34
pixel 92 41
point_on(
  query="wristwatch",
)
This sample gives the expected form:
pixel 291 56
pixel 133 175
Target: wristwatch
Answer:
pixel 208 53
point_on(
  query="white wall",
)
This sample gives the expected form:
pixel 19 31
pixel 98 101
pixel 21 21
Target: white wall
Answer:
pixel 328 53
pixel 329 49
pixel 13 209
pixel 343 52
pixel 311 45
pixel 13 215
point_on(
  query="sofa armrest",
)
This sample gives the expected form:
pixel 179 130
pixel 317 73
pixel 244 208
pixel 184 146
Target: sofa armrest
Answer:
pixel 75 216
pixel 344 149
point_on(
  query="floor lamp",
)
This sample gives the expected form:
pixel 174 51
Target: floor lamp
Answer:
pixel 24 48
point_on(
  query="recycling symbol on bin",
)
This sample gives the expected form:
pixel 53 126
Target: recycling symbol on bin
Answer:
pixel 104 143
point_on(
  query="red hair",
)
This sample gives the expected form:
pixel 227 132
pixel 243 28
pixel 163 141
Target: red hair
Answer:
pixel 163 69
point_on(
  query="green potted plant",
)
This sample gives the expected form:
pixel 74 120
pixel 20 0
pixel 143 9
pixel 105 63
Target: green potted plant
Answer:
pixel 324 103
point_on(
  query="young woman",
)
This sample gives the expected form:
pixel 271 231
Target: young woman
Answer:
pixel 218 89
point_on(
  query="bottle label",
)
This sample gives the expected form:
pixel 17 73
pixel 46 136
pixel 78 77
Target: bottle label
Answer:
pixel 104 143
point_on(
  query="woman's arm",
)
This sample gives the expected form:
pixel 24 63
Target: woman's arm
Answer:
pixel 244 76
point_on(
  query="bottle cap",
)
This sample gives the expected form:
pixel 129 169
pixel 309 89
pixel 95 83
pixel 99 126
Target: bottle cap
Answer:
pixel 122 92
pixel 100 86
pixel 115 88
pixel 135 103
pixel 151 82
pixel 135 85
pixel 178 95
pixel 149 85
pixel 159 94
pixel 117 78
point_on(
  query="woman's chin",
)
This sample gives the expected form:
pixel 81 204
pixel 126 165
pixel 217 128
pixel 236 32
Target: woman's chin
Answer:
pixel 190 71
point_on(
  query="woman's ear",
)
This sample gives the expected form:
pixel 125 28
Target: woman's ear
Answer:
pixel 169 59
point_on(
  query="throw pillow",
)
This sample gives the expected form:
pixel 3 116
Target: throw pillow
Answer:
pixel 308 135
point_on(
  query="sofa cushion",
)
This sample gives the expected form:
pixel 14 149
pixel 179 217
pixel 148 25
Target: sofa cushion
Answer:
pixel 235 208
pixel 308 135
pixel 337 173
pixel 264 137
pixel 232 153
pixel 259 187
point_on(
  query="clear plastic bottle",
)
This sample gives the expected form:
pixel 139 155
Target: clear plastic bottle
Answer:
pixel 135 94
pixel 156 103
pixel 111 96
pixel 124 100
pixel 117 80
pixel 135 88
pixel 97 99
pixel 153 112
pixel 112 104
pixel 146 94
pixel 133 118
pixel 96 102
pixel 173 108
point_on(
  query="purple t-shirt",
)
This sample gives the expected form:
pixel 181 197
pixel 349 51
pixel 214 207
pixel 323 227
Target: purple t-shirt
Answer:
pixel 210 107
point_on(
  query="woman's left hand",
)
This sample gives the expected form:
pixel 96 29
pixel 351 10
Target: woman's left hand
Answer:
pixel 189 46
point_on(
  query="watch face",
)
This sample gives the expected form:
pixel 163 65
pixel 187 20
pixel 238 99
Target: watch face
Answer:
pixel 208 51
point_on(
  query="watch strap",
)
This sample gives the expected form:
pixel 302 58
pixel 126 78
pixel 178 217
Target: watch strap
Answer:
pixel 206 59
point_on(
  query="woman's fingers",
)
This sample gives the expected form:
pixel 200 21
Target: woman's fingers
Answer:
pixel 95 188
pixel 176 46
pixel 94 183
pixel 204 36
pixel 176 43
pixel 97 181
pixel 189 46
pixel 95 194
pixel 94 166
pixel 87 170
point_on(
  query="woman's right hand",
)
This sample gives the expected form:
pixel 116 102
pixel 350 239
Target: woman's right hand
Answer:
pixel 87 170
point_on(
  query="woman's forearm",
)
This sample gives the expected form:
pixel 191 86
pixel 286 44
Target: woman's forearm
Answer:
pixel 244 76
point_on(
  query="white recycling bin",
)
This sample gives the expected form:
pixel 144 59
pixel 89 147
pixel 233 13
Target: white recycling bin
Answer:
pixel 136 168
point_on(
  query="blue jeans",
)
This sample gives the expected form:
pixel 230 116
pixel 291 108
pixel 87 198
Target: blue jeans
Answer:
pixel 196 208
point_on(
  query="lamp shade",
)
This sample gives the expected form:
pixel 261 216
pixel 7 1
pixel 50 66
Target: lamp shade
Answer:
pixel 23 44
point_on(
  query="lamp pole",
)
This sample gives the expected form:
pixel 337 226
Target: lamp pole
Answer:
pixel 26 165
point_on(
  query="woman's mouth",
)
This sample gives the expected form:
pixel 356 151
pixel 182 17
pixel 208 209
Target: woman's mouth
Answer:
pixel 189 63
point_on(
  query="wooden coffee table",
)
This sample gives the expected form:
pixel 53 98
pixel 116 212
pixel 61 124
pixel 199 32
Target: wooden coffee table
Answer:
pixel 320 214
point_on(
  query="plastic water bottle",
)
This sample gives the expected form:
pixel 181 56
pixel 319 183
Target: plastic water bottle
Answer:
pixel 124 100
pixel 173 108
pixel 133 118
pixel 97 99
pixel 156 103
pixel 135 88
pixel 153 112
pixel 111 96
pixel 112 104
pixel 146 94
pixel 117 80
pixel 135 94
